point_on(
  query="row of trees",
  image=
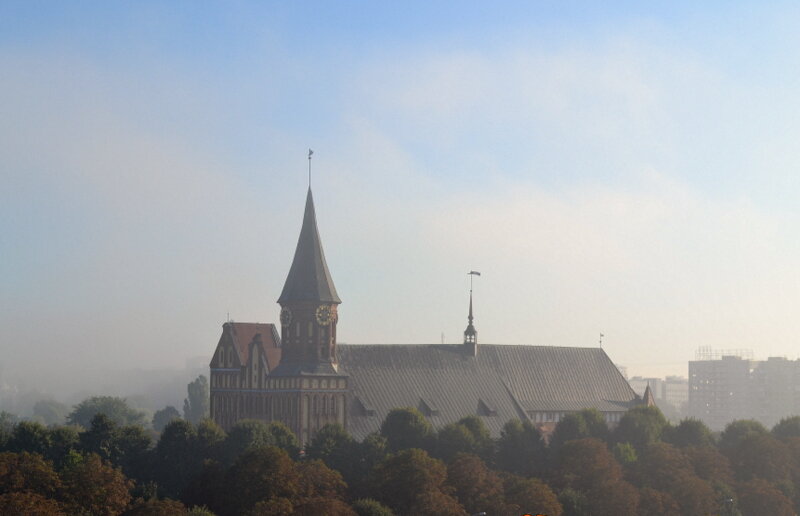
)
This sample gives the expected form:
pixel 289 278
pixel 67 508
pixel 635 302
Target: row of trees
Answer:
pixel 644 466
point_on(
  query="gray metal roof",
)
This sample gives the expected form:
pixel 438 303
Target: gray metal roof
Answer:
pixel 309 278
pixel 501 383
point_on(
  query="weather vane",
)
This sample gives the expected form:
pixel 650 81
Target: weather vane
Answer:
pixel 310 153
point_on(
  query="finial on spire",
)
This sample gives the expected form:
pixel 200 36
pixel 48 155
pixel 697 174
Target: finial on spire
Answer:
pixel 310 153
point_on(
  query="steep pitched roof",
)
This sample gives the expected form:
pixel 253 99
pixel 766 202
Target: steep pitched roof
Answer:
pixel 242 334
pixel 309 278
pixel 500 383
pixel 648 399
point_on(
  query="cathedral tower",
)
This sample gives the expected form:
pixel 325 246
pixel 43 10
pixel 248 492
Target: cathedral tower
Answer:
pixel 310 391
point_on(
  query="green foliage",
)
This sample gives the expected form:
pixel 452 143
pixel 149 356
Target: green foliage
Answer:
pixel 625 453
pixel 162 417
pixel 283 437
pixel 689 432
pixel 50 412
pixel 116 409
pixel 337 449
pixel 31 437
pixel 520 449
pixel 580 425
pixel 736 431
pixel 468 435
pixel 177 457
pixel 252 433
pixel 210 438
pixel 196 405
pixel 454 439
pixel 406 428
pixel 370 507
pixel 574 503
pixel 63 440
pixel 640 426
pixel 787 427
pixel 199 511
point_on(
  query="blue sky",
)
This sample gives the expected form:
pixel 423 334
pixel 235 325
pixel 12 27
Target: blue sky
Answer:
pixel 624 168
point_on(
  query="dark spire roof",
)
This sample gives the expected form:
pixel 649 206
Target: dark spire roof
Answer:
pixel 470 328
pixel 309 278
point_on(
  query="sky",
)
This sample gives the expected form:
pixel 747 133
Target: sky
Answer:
pixel 624 168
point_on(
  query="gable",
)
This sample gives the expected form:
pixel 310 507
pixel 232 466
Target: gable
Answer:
pixel 236 339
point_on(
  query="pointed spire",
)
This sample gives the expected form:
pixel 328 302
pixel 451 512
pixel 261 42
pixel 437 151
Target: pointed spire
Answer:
pixel 309 278
pixel 648 400
pixel 471 334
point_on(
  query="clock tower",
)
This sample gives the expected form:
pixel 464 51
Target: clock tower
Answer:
pixel 306 384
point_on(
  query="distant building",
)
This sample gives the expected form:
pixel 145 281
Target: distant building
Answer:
pixel 299 375
pixel 676 392
pixel 735 387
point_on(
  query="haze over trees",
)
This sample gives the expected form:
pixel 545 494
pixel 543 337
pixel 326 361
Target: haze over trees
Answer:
pixel 645 466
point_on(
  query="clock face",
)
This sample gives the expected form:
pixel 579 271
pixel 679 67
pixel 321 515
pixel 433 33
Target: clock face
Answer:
pixel 286 316
pixel 323 315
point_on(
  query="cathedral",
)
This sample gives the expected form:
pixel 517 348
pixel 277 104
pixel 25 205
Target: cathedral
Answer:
pixel 295 373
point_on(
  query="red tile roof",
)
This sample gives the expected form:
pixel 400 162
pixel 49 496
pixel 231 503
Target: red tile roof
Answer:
pixel 243 334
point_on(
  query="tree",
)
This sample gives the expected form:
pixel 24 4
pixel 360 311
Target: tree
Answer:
pixel 155 507
pixel 584 464
pixel 370 507
pixel 336 448
pixel 177 457
pixel 162 417
pixel 27 472
pixel 454 439
pixel 474 485
pixel 640 426
pixel 116 409
pixel 410 482
pixel 760 455
pixel 520 449
pixel 92 486
pixel 63 440
pixel 580 425
pixel 196 406
pixel 207 487
pixel 657 503
pixel 261 474
pixel 709 464
pixel 50 412
pixel 406 428
pixel 757 497
pixel 737 430
pixel 29 504
pixel 31 437
pixel 787 427
pixel 529 496
pixel 689 432
pixel 245 435
pixel 321 490
pixel 283 437
pixel 210 439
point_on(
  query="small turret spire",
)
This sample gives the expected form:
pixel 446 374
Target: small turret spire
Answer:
pixel 471 334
